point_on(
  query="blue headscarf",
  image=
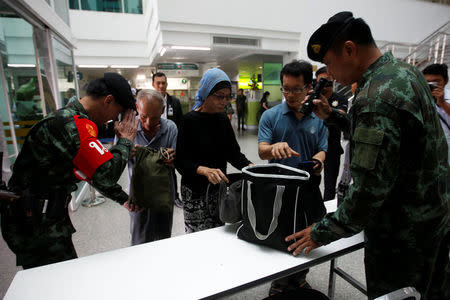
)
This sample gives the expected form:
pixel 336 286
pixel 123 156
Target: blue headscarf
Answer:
pixel 207 83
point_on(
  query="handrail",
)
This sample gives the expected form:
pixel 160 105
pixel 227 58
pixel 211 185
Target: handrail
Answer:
pixel 424 45
pixel 435 33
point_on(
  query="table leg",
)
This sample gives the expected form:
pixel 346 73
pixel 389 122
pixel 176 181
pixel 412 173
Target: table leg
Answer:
pixel 332 279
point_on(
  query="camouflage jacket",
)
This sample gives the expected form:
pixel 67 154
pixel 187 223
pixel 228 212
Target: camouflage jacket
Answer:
pixel 398 160
pixel 45 161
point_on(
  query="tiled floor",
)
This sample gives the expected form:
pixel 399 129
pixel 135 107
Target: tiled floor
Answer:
pixel 106 227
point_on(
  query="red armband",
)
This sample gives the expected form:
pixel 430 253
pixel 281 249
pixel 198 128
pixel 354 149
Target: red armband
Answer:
pixel 92 154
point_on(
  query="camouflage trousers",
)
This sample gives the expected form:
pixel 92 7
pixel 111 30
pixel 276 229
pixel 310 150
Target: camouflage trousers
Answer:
pixel 422 264
pixel 50 240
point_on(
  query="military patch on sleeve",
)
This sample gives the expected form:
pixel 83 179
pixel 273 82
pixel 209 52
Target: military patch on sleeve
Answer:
pixel 367 145
pixel 90 129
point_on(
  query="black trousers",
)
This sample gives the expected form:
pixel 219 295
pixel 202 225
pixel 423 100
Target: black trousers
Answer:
pixel 240 118
pixel 331 172
pixel 148 226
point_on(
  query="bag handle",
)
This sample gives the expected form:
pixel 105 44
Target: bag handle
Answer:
pixel 276 211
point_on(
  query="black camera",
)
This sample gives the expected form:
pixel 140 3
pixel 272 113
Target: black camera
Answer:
pixel 308 106
pixel 432 85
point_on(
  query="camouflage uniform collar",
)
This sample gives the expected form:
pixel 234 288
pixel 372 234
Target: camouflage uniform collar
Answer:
pixel 382 60
pixel 78 107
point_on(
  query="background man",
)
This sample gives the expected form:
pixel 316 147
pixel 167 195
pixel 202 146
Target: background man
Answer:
pixel 399 166
pixel 59 151
pixel 153 132
pixel 437 77
pixel 288 137
pixel 333 160
pixel 172 112
pixel 241 106
pixel 172 104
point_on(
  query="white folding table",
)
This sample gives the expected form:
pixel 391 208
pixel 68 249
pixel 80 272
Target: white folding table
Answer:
pixel 209 263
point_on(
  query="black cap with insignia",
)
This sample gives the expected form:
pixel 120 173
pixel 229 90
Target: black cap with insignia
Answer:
pixel 120 89
pixel 323 38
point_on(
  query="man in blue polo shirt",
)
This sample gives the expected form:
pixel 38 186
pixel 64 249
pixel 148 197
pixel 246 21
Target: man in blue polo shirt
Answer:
pixel 288 137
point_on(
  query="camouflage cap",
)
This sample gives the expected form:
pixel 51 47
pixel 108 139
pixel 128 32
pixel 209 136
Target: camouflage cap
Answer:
pixel 323 38
pixel 120 89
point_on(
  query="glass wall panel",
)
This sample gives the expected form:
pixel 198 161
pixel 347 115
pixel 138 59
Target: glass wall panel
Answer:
pixel 62 10
pixel 73 4
pixel 133 6
pixel 46 64
pixel 22 88
pixel 65 72
pixel 102 5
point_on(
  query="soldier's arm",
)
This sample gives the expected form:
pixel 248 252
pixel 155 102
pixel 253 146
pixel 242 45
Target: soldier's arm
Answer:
pixel 339 119
pixel 374 168
pixel 106 176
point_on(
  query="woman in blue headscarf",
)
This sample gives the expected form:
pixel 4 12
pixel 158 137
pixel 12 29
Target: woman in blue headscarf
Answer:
pixel 206 142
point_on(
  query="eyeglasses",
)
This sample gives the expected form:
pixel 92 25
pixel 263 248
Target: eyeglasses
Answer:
pixel 222 97
pixel 293 91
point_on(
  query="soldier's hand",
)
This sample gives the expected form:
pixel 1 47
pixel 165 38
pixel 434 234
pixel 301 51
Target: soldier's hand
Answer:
pixel 282 150
pixel 133 207
pixel 127 128
pixel 304 241
pixel 214 175
pixel 321 107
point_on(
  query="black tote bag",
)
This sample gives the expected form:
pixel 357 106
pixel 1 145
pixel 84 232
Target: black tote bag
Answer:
pixel 271 204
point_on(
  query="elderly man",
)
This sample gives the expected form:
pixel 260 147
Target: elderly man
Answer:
pixel 399 195
pixel 153 132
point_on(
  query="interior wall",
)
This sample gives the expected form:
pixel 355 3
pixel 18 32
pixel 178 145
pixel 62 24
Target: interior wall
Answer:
pixel 407 21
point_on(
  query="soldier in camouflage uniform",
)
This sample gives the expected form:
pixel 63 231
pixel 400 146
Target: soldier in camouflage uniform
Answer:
pixel 57 153
pixel 399 195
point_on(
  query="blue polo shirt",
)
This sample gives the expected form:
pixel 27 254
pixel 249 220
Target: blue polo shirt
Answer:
pixel 306 136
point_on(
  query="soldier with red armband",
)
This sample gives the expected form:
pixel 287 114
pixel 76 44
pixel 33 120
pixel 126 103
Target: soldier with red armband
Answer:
pixel 59 151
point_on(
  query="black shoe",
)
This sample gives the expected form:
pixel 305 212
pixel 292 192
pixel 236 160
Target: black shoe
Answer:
pixel 178 203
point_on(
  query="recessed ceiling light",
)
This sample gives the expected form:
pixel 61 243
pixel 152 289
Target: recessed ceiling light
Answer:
pixel 124 66
pixel 21 65
pixel 141 77
pixel 162 51
pixel 191 48
pixel 93 66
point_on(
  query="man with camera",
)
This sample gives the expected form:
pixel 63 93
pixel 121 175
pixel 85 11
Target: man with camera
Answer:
pixel 437 77
pixel 333 160
pixel 399 165
pixel 289 135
